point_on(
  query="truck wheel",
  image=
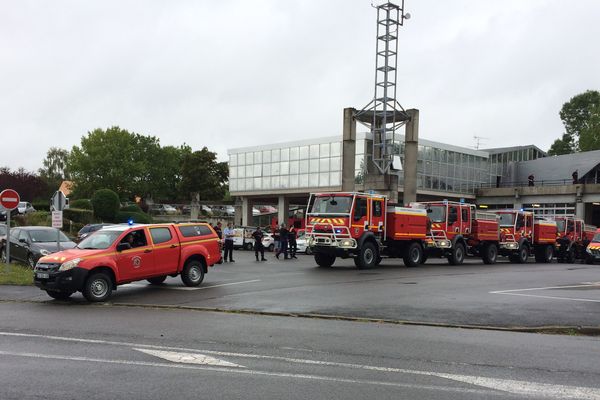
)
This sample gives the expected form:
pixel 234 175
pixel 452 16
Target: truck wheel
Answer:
pixel 98 287
pixel 522 255
pixel 59 295
pixel 413 256
pixel 548 253
pixel 458 254
pixel 157 280
pixel 367 256
pixel 193 273
pixel 490 253
pixel 324 260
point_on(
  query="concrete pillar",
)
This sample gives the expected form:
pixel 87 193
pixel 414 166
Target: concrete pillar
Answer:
pixel 580 209
pixel 411 148
pixel 348 150
pixel 283 210
pixel 246 212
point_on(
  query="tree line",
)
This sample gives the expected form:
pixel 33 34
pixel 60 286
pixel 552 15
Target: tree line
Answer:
pixel 130 164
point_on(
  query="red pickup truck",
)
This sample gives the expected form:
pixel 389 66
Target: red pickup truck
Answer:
pixel 122 253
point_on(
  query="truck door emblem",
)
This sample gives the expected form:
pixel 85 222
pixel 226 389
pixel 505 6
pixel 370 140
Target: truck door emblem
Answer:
pixel 136 261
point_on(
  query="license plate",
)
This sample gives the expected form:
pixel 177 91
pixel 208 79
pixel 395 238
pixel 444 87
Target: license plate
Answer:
pixel 42 275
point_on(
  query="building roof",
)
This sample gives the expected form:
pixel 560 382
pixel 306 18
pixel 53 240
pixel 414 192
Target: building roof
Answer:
pixel 497 150
pixel 557 167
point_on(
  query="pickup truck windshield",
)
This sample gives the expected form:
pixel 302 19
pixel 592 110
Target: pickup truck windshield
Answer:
pixel 100 240
pixel 596 238
pixel 332 205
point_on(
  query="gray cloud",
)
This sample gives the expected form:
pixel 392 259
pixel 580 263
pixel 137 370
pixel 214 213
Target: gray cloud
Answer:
pixel 234 73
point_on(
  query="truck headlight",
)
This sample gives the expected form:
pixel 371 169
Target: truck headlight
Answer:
pixel 69 264
pixel 346 243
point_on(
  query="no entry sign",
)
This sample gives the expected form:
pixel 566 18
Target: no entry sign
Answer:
pixel 9 199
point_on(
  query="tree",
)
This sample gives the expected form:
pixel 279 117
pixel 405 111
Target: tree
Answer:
pixel 105 204
pixel 202 173
pixel 581 117
pixel 55 169
pixel 29 186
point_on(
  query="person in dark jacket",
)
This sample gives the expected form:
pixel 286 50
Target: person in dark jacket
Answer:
pixel 283 242
pixel 531 180
pixel 219 233
pixel 575 176
pixel 293 246
pixel 258 236
pixel 276 239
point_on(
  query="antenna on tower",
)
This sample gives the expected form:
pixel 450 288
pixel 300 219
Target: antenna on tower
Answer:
pixel 478 140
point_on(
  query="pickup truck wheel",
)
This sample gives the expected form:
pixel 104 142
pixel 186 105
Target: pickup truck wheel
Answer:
pixel 490 253
pixel 324 260
pixel 458 254
pixel 367 256
pixel 59 295
pixel 413 255
pixel 157 280
pixel 193 273
pixel 98 287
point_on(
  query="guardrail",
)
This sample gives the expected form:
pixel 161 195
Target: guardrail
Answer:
pixel 550 182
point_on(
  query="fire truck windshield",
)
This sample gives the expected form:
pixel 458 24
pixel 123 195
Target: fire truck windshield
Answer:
pixel 560 225
pixel 332 205
pixel 507 219
pixel 437 213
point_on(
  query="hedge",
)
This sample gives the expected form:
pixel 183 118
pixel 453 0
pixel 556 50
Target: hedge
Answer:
pixel 140 218
pixel 78 215
pixel 132 208
pixel 41 205
pixel 81 204
pixel 106 204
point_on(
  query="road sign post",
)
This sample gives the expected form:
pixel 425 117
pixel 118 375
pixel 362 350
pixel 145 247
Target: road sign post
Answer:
pixel 9 199
pixel 57 205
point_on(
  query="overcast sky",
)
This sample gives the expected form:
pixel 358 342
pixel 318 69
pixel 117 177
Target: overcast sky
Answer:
pixel 228 73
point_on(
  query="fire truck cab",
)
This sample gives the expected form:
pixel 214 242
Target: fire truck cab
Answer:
pixel 573 237
pixel 521 234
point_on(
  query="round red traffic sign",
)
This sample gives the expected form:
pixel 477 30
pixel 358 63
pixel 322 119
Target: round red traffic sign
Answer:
pixel 9 199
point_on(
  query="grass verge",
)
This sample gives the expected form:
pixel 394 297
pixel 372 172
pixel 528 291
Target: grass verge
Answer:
pixel 15 274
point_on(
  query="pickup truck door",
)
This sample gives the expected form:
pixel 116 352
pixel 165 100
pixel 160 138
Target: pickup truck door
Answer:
pixel 166 250
pixel 138 262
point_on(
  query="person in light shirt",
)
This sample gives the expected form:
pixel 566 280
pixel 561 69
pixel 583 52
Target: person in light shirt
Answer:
pixel 228 235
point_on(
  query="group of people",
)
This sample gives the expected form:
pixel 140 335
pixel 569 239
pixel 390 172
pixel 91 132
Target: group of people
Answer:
pixel 284 238
pixel 574 175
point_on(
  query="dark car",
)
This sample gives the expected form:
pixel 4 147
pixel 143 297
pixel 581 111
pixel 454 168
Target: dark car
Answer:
pixel 3 213
pixel 2 234
pixel 29 243
pixel 89 229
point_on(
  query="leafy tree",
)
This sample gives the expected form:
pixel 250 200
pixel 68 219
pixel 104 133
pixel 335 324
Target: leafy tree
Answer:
pixel 29 185
pixel 105 204
pixel 202 173
pixel 55 165
pixel 581 117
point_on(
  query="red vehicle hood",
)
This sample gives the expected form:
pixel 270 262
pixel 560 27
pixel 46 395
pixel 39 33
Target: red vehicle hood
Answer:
pixel 67 255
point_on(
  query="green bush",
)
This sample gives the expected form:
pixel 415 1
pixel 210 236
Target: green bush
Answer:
pixel 132 208
pixel 41 205
pixel 105 204
pixel 78 215
pixel 139 218
pixel 82 204
pixel 38 218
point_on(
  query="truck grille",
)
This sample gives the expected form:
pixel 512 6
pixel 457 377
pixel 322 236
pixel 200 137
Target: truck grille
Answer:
pixel 50 267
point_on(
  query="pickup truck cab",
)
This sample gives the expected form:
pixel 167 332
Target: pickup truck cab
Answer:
pixel 121 254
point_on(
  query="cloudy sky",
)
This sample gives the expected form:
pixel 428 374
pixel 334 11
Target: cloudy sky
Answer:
pixel 229 73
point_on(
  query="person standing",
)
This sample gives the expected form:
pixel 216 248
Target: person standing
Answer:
pixel 531 180
pixel 293 246
pixel 229 233
pixel 283 242
pixel 258 236
pixel 575 176
pixel 276 239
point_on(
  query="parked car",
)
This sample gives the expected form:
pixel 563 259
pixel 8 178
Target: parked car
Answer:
pixel 88 230
pixel 121 254
pixel 301 242
pixel 242 238
pixel 3 213
pixel 268 242
pixel 163 209
pixel 25 207
pixel 29 243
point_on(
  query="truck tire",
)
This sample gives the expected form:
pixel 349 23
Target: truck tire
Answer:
pixel 97 287
pixel 544 254
pixel 413 256
pixel 521 256
pixel 324 260
pixel 193 273
pixel 367 256
pixel 489 253
pixel 59 295
pixel 157 280
pixel 458 254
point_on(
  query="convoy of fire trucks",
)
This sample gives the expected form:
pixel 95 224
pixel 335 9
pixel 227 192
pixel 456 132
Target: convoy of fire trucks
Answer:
pixel 367 227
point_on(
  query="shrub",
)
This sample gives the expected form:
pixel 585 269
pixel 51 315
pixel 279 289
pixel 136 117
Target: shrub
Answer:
pixel 41 205
pixel 132 208
pixel 80 216
pixel 140 218
pixel 105 204
pixel 38 218
pixel 82 204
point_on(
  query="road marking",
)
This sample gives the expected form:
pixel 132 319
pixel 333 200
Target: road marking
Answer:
pixel 504 385
pixel 189 358
pixel 513 292
pixel 137 284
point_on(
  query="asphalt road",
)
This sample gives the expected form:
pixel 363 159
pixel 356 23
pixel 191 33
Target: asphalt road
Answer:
pixel 57 350
pixel 502 295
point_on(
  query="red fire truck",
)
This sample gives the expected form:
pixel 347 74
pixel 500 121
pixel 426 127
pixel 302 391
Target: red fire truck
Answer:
pixel 522 235
pixel 366 227
pixel 573 238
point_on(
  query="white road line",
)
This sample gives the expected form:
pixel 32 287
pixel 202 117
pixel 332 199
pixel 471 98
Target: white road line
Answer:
pixel 506 385
pixel 189 358
pixel 253 372
pixel 513 292
pixel 136 284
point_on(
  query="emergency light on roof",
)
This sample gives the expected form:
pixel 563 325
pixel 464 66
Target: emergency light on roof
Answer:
pixel 130 221
pixel 462 201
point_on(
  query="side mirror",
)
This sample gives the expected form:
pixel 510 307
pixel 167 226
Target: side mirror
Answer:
pixel 123 246
pixel 21 240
